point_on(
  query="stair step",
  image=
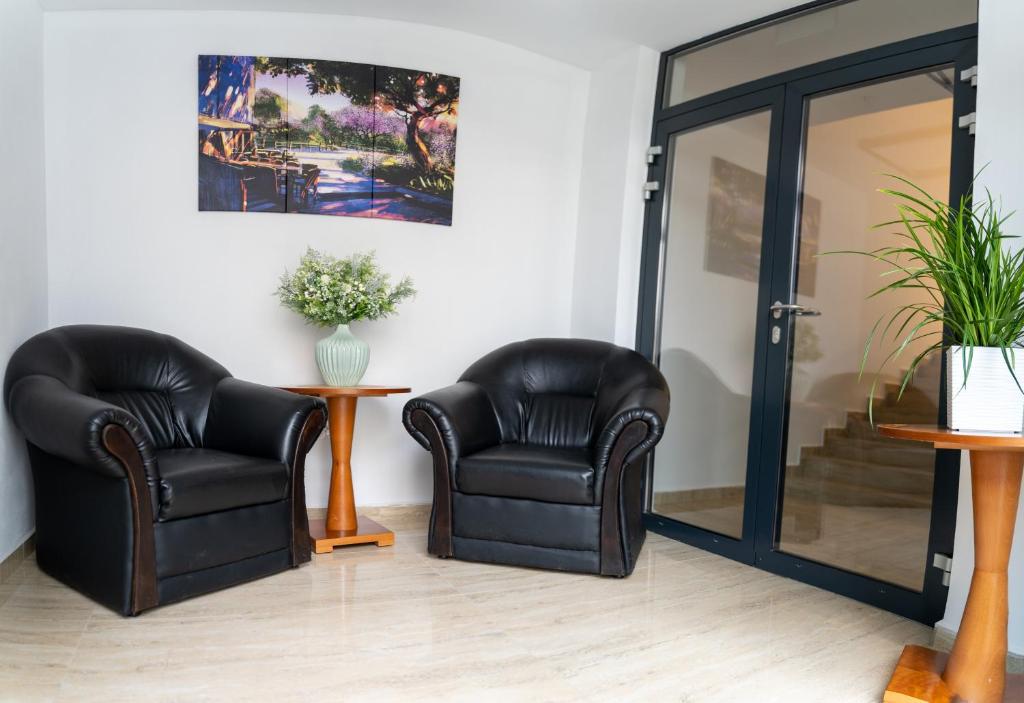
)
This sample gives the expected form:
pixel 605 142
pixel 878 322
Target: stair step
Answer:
pixel 913 400
pixel 884 413
pixel 844 434
pixel 927 371
pixel 881 477
pixel 857 424
pixel 875 451
pixel 838 493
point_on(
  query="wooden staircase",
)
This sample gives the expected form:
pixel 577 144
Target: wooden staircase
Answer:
pixel 855 466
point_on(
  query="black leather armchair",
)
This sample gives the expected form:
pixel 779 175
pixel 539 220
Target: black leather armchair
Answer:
pixel 537 455
pixel 157 475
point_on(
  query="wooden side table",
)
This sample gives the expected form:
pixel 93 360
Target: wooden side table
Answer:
pixel 342 526
pixel 976 668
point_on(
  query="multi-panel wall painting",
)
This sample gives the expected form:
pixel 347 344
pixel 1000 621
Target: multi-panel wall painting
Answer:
pixel 327 138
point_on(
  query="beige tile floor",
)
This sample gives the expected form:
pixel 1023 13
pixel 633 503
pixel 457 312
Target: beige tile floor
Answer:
pixel 395 624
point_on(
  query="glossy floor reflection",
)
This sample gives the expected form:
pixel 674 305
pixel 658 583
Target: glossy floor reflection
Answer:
pixel 886 543
pixel 369 624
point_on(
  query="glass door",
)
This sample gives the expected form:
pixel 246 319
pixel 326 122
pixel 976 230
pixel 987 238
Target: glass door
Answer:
pixel 718 206
pixel 851 498
pixel 843 506
pixel 768 456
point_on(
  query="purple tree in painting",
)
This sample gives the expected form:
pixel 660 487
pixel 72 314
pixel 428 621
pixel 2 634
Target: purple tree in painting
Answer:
pixel 358 120
pixel 418 97
pixel 366 123
pixel 442 143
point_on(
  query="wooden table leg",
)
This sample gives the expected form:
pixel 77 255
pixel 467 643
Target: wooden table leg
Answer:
pixel 342 526
pixel 977 665
pixel 975 670
pixel 341 501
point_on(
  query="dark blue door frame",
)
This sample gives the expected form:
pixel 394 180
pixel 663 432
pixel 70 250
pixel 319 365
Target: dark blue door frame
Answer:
pixel 786 95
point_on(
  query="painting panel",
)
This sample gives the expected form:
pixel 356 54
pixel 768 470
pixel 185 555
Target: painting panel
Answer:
pixel 232 175
pixel 326 137
pixel 416 121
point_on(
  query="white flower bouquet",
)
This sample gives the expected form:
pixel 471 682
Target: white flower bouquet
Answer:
pixel 328 291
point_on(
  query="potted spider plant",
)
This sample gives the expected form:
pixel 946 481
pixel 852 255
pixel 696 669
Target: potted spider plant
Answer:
pixel 973 288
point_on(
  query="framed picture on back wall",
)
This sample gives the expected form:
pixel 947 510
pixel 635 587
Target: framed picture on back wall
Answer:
pixel 326 137
pixel 734 221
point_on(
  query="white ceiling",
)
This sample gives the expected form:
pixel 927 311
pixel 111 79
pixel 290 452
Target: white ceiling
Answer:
pixel 580 32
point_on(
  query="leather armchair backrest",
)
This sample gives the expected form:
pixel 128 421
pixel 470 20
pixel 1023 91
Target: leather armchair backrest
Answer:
pixel 548 392
pixel 159 379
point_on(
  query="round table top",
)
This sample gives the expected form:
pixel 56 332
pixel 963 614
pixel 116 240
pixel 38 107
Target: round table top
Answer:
pixel 944 438
pixel 346 391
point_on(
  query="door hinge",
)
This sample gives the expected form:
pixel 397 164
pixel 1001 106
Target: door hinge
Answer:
pixel 653 152
pixel 945 563
pixel 968 121
pixel 650 187
pixel 970 74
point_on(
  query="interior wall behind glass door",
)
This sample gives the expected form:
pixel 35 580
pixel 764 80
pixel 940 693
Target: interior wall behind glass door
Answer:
pixel 853 499
pixel 711 268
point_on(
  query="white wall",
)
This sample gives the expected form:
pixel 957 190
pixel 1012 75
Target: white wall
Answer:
pixel 999 148
pixel 22 237
pixel 127 245
pixel 606 273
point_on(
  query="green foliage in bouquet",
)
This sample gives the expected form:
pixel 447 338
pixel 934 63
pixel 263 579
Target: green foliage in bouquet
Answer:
pixel 328 291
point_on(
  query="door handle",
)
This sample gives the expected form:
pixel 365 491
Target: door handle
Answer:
pixel 778 307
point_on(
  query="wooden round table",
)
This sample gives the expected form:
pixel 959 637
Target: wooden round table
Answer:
pixel 976 668
pixel 343 526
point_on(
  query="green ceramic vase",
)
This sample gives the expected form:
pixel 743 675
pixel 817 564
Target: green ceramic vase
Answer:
pixel 342 357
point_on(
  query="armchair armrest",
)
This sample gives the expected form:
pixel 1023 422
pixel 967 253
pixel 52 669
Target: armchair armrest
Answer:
pixel 463 415
pixel 247 418
pixel 450 422
pixel 103 438
pixel 647 404
pixel 630 426
pixel 71 426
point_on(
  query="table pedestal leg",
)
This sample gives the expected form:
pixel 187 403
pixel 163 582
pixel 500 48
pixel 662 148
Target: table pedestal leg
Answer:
pixel 342 526
pixel 977 665
pixel 341 501
pixel 975 671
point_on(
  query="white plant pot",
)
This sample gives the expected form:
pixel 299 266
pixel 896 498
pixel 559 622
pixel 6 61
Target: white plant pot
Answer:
pixel 990 401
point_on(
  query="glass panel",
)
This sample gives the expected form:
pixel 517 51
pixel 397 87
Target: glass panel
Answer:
pixel 815 36
pixel 852 498
pixel 712 263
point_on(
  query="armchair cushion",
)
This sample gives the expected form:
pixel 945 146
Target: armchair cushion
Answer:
pixel 528 471
pixel 200 481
